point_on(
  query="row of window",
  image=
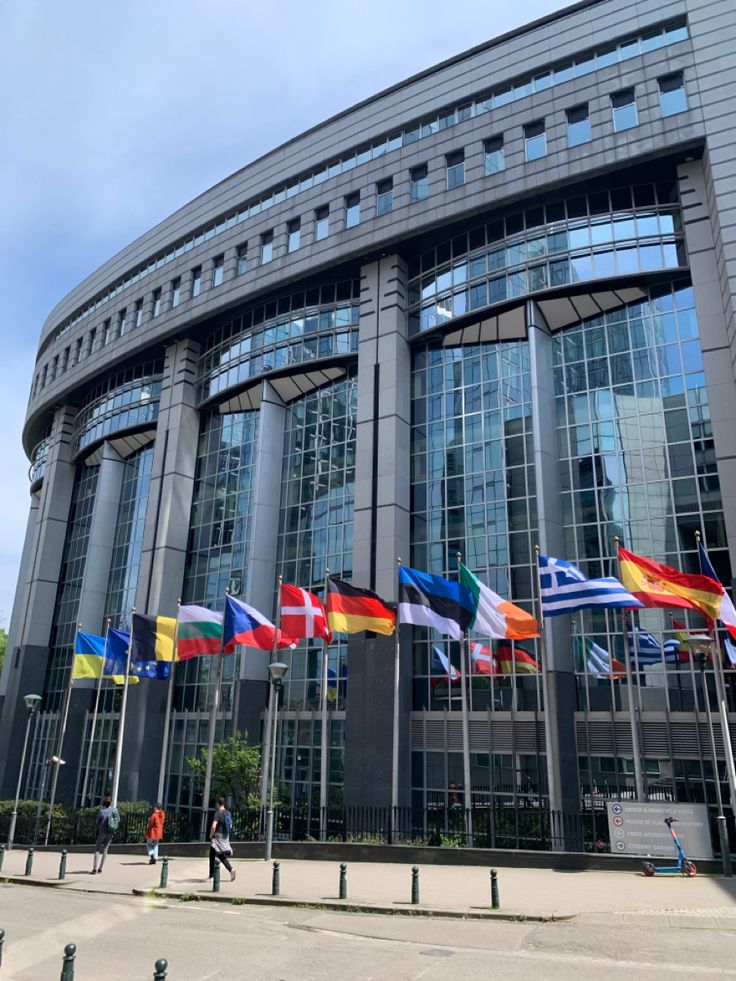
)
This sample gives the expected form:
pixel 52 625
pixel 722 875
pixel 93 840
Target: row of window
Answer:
pixel 673 100
pixel 655 38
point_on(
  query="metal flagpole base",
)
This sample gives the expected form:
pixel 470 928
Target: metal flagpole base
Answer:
pixel 725 850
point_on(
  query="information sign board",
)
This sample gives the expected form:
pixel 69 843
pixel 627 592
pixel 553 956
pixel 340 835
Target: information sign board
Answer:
pixel 638 828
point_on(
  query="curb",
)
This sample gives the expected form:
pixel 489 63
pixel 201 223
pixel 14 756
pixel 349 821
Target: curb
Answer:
pixel 23 880
pixel 346 906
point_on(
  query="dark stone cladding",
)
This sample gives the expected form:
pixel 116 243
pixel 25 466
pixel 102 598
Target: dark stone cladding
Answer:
pixel 574 29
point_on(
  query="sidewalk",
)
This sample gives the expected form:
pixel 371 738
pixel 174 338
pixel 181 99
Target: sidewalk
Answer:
pixel 454 890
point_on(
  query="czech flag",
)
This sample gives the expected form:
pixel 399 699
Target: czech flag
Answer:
pixel 249 628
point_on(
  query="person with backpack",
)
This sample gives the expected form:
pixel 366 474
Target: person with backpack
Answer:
pixel 155 832
pixel 107 823
pixel 220 831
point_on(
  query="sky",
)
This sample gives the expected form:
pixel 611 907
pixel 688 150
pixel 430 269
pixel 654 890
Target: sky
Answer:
pixel 115 115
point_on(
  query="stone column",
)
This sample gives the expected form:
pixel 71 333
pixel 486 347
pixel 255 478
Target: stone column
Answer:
pixel 381 533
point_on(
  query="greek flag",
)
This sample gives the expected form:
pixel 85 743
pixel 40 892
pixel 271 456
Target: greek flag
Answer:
pixel 649 649
pixel 566 590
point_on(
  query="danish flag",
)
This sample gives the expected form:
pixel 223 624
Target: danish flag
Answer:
pixel 303 615
pixel 484 661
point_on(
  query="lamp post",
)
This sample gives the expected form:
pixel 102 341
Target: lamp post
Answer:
pixel 31 706
pixel 277 670
pixel 701 645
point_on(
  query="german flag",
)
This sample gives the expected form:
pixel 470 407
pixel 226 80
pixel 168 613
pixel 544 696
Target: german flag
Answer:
pixel 152 638
pixel 350 610
pixel 513 659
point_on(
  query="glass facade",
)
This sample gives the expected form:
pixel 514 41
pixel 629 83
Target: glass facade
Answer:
pixel 126 400
pixel 604 233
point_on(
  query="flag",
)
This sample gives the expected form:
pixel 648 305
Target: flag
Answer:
pixel 442 663
pixel 246 626
pixel 649 649
pixel 152 638
pixel 514 659
pixel 726 611
pixel 565 589
pixel 115 655
pixel 496 617
pixel 483 661
pixel 88 656
pixel 730 649
pixel 597 661
pixel 659 585
pixel 431 601
pixel 199 632
pixel 303 615
pixel 350 609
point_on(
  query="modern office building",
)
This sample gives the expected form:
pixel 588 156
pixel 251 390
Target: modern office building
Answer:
pixel 491 307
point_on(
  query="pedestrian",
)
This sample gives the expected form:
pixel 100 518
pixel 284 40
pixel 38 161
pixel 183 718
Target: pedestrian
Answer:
pixel 155 832
pixel 220 829
pixel 107 823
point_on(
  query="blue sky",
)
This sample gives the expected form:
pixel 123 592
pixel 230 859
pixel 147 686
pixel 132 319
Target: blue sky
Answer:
pixel 117 114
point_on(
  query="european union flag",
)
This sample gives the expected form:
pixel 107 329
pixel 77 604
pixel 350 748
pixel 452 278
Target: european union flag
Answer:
pixel 116 656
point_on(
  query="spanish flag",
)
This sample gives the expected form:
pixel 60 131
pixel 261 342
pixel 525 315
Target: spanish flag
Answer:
pixel 658 585
pixel 350 609
pixel 152 638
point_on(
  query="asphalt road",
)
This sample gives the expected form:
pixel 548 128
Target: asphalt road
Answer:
pixel 119 938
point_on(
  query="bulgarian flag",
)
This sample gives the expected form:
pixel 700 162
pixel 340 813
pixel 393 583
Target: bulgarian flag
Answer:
pixel 496 617
pixel 199 631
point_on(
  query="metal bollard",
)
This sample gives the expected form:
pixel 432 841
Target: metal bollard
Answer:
pixel 276 880
pixel 414 884
pixel 2 941
pixel 164 873
pixel 159 970
pixel 495 904
pixel 29 862
pixel 67 967
pixel 62 864
pixel 216 877
pixel 343 881
pixel 2 856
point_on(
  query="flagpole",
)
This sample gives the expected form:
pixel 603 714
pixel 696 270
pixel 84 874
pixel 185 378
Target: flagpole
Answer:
pixel 544 648
pixel 324 741
pixel 635 748
pixel 468 796
pixel 121 725
pixel 266 747
pixel 167 715
pixel 211 731
pixel 93 728
pixel 395 744
pixel 57 762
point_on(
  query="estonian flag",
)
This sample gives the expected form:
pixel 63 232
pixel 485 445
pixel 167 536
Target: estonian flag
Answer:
pixel 431 601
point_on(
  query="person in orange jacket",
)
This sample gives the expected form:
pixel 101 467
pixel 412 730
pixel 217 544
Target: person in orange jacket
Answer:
pixel 155 832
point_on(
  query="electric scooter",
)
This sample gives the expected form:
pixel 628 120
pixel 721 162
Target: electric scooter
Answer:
pixel 684 864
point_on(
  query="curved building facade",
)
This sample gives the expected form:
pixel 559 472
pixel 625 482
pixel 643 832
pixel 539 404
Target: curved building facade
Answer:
pixel 490 308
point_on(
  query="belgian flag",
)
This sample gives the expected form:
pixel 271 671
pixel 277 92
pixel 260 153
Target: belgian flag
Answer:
pixel 350 610
pixel 152 638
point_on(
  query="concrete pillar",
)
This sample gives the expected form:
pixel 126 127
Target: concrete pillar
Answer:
pixel 559 710
pixel 380 533
pixel 163 557
pixel 33 610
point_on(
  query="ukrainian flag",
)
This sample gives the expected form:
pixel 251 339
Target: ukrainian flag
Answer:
pixel 89 659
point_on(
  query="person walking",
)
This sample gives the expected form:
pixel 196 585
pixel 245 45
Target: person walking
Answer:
pixel 107 823
pixel 220 829
pixel 155 832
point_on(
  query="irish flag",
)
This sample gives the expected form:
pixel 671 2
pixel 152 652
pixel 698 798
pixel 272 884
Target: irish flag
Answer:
pixel 199 631
pixel 496 617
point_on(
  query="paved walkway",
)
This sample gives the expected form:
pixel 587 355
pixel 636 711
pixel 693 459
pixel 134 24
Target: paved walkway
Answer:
pixel 459 890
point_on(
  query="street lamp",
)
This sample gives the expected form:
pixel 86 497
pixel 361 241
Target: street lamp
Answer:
pixel 277 670
pixel 31 706
pixel 702 645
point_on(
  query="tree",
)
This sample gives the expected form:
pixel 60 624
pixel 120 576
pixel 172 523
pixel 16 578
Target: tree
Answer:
pixel 236 770
pixel 3 645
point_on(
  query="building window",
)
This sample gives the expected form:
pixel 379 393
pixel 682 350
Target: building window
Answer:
pixel 196 281
pixel 218 270
pixel 322 223
pixel 266 247
pixel 352 210
pixel 455 163
pixel 91 338
pixel 535 141
pixel 121 323
pixel 623 106
pixel 241 261
pixel 78 351
pixel 672 98
pixel 138 312
pixel 494 156
pixel 418 184
pixel 384 196
pixel 65 359
pixel 578 126
pixel 294 234
pixel 156 302
pixel 175 292
pixel 43 375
